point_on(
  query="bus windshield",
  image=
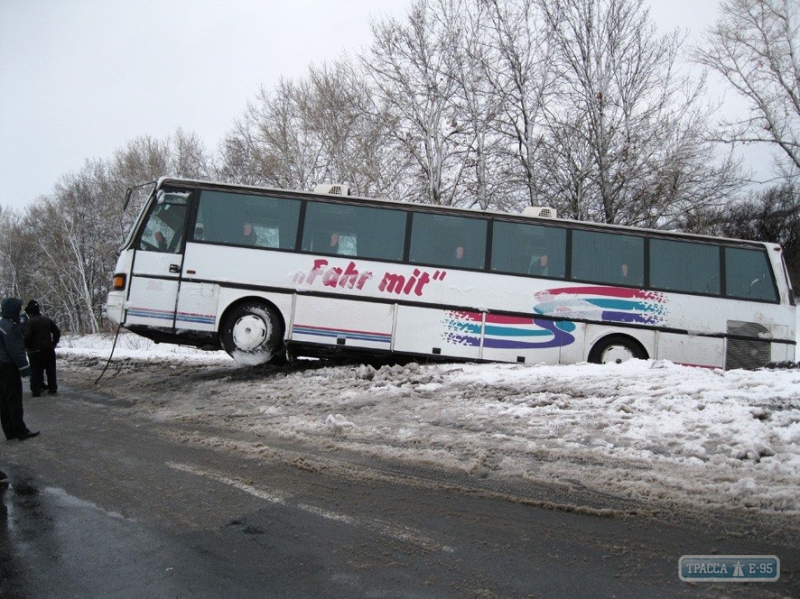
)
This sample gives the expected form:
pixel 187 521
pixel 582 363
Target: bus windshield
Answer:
pixel 164 228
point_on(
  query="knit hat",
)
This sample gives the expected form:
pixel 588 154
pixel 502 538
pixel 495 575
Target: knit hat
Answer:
pixel 11 307
pixel 32 309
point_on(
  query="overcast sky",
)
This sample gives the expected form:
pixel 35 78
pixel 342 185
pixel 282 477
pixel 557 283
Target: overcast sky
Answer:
pixel 81 78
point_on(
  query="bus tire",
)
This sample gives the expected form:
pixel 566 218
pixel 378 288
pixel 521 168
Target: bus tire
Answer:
pixel 252 333
pixel 616 349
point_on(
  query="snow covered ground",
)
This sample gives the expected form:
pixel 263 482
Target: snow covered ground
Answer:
pixel 645 430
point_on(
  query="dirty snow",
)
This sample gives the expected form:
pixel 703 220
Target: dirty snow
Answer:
pixel 645 430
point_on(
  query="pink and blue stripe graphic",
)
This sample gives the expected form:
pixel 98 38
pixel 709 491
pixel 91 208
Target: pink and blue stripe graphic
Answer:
pixel 594 303
pixel 506 332
pixel 605 304
pixel 169 315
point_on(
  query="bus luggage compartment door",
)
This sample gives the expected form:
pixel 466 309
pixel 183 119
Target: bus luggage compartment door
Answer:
pixel 342 322
pixel 431 331
pixel 524 339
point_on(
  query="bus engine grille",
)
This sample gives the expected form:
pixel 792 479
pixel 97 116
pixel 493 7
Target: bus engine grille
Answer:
pixel 750 352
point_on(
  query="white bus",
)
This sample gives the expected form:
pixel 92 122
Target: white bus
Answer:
pixel 266 272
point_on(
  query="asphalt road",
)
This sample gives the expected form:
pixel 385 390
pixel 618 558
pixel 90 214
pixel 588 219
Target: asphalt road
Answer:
pixel 109 503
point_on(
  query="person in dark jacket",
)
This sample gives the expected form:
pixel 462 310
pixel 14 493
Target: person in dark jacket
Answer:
pixel 13 366
pixel 41 337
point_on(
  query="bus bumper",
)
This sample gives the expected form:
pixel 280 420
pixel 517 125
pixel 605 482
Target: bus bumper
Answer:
pixel 115 307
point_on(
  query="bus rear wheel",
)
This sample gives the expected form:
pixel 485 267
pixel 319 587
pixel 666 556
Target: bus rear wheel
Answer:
pixel 252 334
pixel 616 349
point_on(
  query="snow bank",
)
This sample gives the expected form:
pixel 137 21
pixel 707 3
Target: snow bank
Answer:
pixel 647 430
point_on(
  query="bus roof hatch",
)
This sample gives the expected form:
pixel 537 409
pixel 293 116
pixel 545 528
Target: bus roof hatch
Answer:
pixel 335 189
pixel 539 211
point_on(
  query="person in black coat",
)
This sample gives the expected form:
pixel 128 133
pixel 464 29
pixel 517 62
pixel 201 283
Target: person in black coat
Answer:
pixel 41 337
pixel 13 366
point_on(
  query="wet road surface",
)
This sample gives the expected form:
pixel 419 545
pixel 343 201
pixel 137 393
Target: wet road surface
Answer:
pixel 108 504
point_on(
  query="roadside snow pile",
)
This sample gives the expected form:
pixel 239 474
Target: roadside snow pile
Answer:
pixel 338 423
pixel 133 347
pixel 643 429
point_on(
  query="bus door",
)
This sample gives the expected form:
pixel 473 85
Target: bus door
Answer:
pixel 157 263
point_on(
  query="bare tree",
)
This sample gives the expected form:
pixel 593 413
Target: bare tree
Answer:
pixel 287 151
pixel 275 143
pixel 241 158
pixel 635 128
pixel 340 109
pixel 188 156
pixel 565 167
pixel 754 46
pixel 320 129
pixel 15 254
pixel 142 159
pixel 475 107
pixel 62 251
pixel 519 66
pixel 72 259
pixel 410 69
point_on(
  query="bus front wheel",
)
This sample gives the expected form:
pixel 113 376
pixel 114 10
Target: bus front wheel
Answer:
pixel 616 349
pixel 252 334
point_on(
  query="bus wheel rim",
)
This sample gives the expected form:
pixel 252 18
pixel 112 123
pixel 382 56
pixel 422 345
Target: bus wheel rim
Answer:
pixel 616 354
pixel 249 333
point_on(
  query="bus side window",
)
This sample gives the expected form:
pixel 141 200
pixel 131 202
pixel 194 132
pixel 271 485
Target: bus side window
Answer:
pixel 436 239
pixel 247 220
pixel 748 275
pixel 608 258
pixel 687 267
pixel 529 249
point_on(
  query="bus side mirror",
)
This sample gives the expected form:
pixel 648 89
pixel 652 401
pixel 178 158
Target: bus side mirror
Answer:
pixel 128 194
